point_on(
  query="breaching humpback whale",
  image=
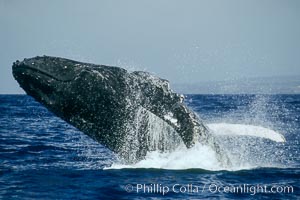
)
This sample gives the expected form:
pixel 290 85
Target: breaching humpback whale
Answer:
pixel 131 113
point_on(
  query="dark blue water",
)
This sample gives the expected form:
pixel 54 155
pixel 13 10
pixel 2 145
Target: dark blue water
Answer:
pixel 42 157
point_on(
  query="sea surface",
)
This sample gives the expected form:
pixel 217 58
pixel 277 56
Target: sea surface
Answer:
pixel 43 157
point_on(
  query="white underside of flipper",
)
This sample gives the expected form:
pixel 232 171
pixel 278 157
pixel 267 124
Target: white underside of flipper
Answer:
pixel 245 130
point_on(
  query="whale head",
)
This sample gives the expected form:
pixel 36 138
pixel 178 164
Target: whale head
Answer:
pixel 67 87
pixel 77 92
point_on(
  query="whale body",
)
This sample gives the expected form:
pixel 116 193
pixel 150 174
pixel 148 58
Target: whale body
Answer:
pixel 130 113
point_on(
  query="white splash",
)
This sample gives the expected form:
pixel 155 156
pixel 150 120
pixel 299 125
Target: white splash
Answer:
pixel 199 156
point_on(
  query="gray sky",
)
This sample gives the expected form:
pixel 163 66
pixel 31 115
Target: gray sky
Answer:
pixel 182 41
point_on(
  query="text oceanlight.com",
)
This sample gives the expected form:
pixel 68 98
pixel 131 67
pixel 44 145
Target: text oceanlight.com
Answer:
pixel 210 188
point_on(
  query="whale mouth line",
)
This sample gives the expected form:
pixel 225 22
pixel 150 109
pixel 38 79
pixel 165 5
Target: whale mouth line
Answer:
pixel 22 69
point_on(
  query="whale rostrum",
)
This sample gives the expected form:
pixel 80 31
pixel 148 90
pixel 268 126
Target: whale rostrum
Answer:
pixel 130 113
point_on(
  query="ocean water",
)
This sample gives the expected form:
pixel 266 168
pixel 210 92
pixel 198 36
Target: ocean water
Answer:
pixel 42 157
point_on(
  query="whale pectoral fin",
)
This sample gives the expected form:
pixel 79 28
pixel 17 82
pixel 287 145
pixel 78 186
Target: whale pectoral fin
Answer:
pixel 246 130
pixel 190 127
pixel 185 123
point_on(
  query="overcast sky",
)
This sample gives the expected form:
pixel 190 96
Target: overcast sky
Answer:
pixel 182 41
